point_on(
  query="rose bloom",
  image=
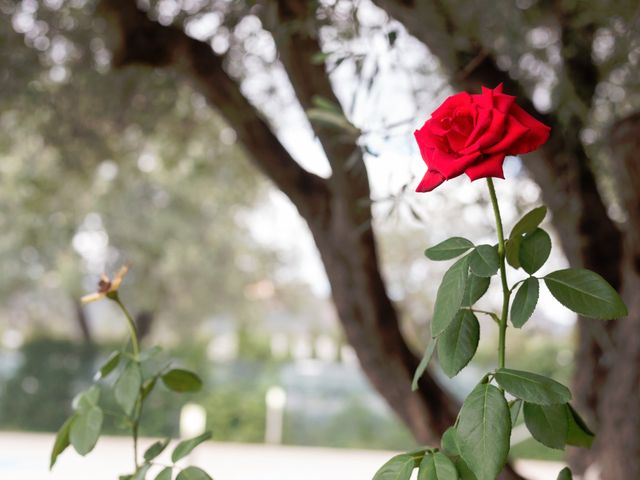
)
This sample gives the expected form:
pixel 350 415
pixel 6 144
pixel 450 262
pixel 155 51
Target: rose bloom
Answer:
pixel 473 133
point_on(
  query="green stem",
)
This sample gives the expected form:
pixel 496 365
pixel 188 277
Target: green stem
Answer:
pixel 133 331
pixel 134 430
pixel 135 346
pixel 506 293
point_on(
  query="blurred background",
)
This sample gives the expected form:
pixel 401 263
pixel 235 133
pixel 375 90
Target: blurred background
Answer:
pixel 254 161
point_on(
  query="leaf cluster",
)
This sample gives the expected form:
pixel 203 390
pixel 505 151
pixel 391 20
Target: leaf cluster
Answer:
pixel 477 446
pixel 134 378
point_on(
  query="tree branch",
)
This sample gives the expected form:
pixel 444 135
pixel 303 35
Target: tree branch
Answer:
pixel 144 41
pixel 298 44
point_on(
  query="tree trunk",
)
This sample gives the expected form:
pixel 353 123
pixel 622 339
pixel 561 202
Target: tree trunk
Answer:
pixel 618 445
pixel 144 323
pixel 82 321
pixel 339 219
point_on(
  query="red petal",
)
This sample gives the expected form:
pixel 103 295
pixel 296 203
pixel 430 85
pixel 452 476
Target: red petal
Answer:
pixel 427 139
pixel 492 134
pixel 538 132
pixel 462 98
pixel 514 133
pixel 503 102
pixel 489 166
pixel 450 164
pixel 456 140
pixel 430 181
pixel 483 121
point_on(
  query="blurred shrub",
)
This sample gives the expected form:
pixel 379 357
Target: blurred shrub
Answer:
pixel 356 425
pixel 38 396
pixel 236 414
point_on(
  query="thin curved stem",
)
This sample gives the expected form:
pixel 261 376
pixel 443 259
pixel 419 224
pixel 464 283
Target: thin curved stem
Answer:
pixel 506 293
pixel 131 325
pixel 515 285
pixel 493 316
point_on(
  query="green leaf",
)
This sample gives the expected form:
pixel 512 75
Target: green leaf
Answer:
pixel 459 342
pixel 484 427
pixel 464 471
pixel 484 261
pixel 451 248
pixel 547 424
pixel 449 296
pixel 127 387
pixel 578 433
pixel 165 474
pixel 85 430
pixel 87 399
pixel 514 409
pixel 318 58
pixel 531 387
pixel 534 250
pixel 155 449
pixel 392 36
pixel 525 302
pixel 512 251
pixel 529 222
pixel 399 467
pixel 180 380
pixel 150 353
pixel 109 365
pixel 193 473
pixel 62 440
pixel 141 473
pixel 424 363
pixel 475 289
pixel 437 466
pixel 325 104
pixel 147 387
pixel 585 292
pixel 184 447
pixel 449 441
pixel 334 119
pixel 565 474
pixel 152 362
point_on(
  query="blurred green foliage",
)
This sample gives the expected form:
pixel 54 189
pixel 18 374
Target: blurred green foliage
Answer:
pixel 38 396
pixel 80 148
pixel 51 371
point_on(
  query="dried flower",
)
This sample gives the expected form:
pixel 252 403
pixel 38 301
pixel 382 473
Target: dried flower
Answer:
pixel 106 286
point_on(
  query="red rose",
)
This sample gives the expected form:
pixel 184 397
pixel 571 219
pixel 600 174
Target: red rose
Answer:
pixel 473 133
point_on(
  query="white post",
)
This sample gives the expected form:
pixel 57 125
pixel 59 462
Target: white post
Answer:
pixel 193 420
pixel 276 399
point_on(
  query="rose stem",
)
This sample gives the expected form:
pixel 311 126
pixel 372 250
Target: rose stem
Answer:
pixel 506 293
pixel 133 333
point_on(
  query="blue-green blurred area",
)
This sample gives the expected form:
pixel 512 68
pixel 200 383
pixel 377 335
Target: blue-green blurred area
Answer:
pixel 328 403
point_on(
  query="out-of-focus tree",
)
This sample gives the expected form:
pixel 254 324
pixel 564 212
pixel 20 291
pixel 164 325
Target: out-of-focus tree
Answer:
pixel 575 63
pixel 97 170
